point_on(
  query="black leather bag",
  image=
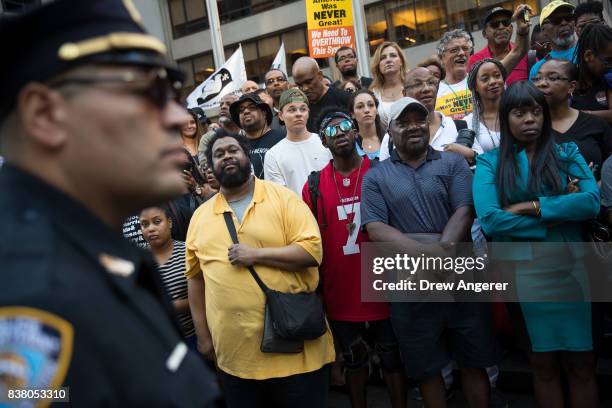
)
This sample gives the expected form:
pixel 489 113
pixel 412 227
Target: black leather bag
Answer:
pixel 295 317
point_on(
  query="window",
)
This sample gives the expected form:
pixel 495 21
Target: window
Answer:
pixel 187 16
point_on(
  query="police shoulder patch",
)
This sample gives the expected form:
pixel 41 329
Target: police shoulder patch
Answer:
pixel 35 348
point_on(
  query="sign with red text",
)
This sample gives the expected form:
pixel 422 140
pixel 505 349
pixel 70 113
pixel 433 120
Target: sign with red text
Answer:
pixel 330 26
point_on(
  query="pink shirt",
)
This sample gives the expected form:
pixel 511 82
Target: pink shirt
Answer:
pixel 519 73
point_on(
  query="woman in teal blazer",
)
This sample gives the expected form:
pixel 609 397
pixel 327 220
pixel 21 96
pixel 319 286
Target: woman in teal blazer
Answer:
pixel 531 190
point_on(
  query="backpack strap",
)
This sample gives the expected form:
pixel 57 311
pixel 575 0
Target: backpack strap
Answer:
pixel 313 189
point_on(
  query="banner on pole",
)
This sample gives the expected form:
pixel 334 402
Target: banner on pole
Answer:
pixel 330 26
pixel 280 61
pixel 227 79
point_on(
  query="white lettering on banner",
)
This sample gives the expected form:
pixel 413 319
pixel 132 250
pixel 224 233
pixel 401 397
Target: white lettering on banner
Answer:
pixel 351 246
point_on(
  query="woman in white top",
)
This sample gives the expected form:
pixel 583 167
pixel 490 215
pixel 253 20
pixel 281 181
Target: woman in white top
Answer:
pixel 389 74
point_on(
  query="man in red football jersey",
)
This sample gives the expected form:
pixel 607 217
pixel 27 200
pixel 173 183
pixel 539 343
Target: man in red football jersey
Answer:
pixel 337 209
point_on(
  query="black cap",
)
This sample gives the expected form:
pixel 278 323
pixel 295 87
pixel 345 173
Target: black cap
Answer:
pixel 199 112
pixel 495 11
pixel 235 107
pixel 48 40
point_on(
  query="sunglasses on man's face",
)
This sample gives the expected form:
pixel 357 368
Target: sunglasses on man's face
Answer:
pixel 557 20
pixel 498 23
pixel 332 130
pixel 155 86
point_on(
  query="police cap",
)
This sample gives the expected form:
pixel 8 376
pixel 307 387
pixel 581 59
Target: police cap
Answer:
pixel 60 35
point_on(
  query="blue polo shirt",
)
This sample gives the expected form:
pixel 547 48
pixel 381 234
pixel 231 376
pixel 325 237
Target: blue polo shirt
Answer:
pixel 416 200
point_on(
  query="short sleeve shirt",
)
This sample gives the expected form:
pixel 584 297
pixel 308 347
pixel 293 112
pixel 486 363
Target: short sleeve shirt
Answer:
pixel 416 200
pixel 519 73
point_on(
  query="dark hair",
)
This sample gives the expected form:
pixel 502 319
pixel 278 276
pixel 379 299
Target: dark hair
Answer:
pixel 275 69
pixel 568 67
pixel 544 175
pixel 220 134
pixel 434 60
pixel 345 48
pixel 349 81
pixel 595 37
pixel 590 7
pixel 380 129
pixel 471 82
pixel 164 207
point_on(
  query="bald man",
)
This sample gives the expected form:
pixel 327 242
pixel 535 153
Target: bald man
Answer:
pixel 309 78
pixel 249 86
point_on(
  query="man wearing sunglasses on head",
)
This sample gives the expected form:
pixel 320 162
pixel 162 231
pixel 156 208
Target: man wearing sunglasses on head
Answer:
pixel 497 30
pixel 557 24
pixel 90 129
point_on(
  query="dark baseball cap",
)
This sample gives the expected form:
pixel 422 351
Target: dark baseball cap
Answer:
pixel 235 107
pixel 494 12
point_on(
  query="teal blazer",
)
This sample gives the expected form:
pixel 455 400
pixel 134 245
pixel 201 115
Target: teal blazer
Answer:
pixel 572 209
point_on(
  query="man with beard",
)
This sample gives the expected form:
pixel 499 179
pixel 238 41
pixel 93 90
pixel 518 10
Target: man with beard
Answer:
pixel 255 116
pixel 226 122
pixel 557 24
pixel 276 83
pixel 346 61
pixel 279 237
pixel 419 191
pixel 309 78
pixel 338 212
pixel 497 30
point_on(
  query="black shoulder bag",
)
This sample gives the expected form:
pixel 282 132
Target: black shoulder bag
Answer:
pixel 290 318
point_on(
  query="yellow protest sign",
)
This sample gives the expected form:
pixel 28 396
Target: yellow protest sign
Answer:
pixel 330 26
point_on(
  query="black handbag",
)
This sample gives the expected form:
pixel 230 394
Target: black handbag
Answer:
pixel 294 316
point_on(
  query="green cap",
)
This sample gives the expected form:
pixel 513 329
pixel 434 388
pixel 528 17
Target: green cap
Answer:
pixel 292 95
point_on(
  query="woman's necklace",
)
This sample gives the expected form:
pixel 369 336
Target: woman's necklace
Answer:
pixel 484 123
pixel 346 181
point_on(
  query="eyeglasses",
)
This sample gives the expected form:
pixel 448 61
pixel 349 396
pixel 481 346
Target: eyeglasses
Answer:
pixel 332 130
pixel 156 86
pixel 499 23
pixel 432 83
pixel 551 79
pixel 279 80
pixel 345 57
pixel 455 50
pixel 556 20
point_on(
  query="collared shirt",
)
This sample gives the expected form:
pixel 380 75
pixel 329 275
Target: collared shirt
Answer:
pixel 416 200
pixel 235 304
pixel 519 73
pixel 123 346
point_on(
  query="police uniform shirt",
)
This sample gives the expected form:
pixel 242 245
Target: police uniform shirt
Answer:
pixel 83 308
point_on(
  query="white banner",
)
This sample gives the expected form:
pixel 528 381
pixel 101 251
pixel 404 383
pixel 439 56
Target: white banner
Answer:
pixel 227 79
pixel 280 61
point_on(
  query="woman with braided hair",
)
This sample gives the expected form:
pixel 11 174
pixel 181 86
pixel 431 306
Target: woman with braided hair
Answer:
pixel 593 93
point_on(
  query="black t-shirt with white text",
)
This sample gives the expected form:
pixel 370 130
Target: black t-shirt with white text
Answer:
pixel 259 148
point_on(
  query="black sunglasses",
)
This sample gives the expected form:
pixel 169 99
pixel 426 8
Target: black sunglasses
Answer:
pixel 556 20
pixel 496 24
pixel 155 85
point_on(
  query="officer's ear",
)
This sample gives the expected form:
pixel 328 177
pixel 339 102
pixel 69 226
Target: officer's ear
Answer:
pixel 42 114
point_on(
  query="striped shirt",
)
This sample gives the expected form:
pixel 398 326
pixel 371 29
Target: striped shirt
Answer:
pixel 173 276
pixel 416 200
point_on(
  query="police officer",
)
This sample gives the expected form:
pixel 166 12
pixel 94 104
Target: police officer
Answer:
pixel 90 134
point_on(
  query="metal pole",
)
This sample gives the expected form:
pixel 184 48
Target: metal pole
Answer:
pixel 215 33
pixel 361 38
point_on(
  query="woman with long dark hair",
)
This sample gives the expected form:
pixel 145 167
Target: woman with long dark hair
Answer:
pixel 532 190
pixel 363 107
pixel 557 81
pixel 593 93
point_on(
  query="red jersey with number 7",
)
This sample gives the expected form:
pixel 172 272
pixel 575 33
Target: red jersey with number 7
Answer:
pixel 339 220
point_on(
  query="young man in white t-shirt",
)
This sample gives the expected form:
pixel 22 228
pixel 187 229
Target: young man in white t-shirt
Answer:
pixel 292 159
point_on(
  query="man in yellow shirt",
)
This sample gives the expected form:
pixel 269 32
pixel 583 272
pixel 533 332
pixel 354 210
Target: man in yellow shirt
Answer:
pixel 279 237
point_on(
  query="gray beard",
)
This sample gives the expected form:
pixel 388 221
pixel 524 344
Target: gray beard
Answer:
pixel 564 43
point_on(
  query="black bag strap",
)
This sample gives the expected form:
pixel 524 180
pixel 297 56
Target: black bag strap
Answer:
pixel 313 189
pixel 460 124
pixel 231 228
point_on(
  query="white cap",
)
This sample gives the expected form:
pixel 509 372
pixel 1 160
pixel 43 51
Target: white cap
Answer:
pixel 402 104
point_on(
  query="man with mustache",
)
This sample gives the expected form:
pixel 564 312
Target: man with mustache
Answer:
pixel 497 30
pixel 419 191
pixel 280 238
pixel 557 24
pixel 346 61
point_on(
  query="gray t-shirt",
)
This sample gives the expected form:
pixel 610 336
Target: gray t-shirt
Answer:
pixel 240 206
pixel 606 184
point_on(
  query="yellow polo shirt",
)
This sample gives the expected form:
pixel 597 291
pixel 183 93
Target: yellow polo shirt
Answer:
pixel 235 304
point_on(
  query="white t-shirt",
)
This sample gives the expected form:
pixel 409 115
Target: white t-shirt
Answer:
pixel 486 140
pixel 454 100
pixel 446 134
pixel 289 163
pixel 384 109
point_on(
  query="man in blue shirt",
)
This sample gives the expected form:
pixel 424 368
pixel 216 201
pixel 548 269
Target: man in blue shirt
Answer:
pixel 557 23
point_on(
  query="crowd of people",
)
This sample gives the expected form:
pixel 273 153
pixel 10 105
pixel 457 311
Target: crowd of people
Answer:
pixel 508 144
pixel 503 144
